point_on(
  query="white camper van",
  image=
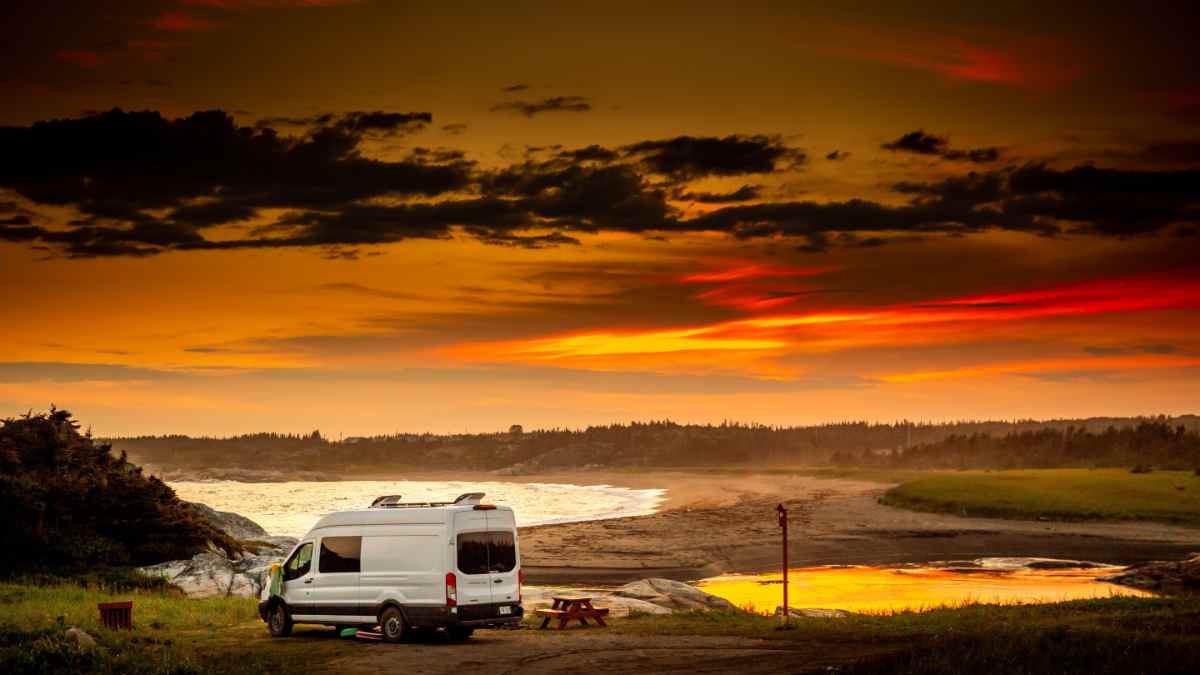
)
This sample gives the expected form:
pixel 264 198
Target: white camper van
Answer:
pixel 452 565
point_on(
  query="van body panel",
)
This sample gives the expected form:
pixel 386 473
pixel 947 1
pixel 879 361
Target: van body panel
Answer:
pixel 407 567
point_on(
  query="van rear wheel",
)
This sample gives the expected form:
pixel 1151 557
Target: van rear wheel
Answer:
pixel 279 621
pixel 391 624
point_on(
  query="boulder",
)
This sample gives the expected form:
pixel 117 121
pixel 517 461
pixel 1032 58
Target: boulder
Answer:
pixel 1168 577
pixel 813 613
pixel 209 575
pixel 672 595
pixel 80 637
pixel 233 524
pixel 534 597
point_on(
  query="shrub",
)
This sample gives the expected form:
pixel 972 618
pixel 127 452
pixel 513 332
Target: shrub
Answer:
pixel 70 504
pixel 1141 468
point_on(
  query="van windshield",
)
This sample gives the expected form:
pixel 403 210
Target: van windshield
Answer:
pixel 483 552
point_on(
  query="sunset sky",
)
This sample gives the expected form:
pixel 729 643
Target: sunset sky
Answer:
pixel 224 216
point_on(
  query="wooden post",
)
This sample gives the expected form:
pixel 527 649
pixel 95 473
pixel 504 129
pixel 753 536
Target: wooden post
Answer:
pixel 783 524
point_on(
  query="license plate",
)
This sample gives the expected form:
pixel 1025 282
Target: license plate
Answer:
pixel 505 610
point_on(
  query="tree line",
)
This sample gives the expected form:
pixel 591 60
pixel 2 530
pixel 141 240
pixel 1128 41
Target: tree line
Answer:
pixel 666 443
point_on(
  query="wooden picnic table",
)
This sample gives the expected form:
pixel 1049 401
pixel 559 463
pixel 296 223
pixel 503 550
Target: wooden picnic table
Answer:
pixel 566 609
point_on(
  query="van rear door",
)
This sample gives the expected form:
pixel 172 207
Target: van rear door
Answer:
pixel 471 542
pixel 504 563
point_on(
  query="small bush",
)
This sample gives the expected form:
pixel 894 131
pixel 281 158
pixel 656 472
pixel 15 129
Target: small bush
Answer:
pixel 1141 468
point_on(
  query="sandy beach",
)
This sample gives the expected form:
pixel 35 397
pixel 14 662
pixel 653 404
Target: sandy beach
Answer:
pixel 716 523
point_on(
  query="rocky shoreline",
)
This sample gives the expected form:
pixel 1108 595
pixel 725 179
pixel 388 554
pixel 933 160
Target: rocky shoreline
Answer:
pixel 1182 576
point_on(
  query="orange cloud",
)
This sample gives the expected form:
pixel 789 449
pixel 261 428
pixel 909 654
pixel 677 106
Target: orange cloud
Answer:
pixel 948 321
pixel 1047 366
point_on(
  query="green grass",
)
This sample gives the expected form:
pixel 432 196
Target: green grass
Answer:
pixel 1056 494
pixel 1114 635
pixel 174 635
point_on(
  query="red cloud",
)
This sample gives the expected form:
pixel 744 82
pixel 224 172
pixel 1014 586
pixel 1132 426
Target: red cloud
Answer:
pixel 980 56
pixel 84 58
pixel 179 22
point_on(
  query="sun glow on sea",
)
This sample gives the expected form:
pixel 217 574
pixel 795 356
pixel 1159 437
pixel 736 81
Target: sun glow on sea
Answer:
pixel 893 589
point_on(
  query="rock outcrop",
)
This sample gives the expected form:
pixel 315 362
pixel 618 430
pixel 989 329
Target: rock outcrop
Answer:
pixel 813 613
pixel 80 637
pixel 212 573
pixel 1166 577
pixel 672 595
pixel 233 524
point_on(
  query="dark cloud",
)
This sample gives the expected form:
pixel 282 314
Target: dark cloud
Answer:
pixel 357 122
pixel 116 167
pixel 553 104
pixel 837 155
pixel 454 129
pixel 921 143
pixel 690 157
pixel 512 88
pixel 742 194
pixel 590 153
pixel 137 184
pixel 918 142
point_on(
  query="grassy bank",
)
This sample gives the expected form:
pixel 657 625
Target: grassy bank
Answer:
pixel 1116 635
pixel 1056 494
pixel 173 635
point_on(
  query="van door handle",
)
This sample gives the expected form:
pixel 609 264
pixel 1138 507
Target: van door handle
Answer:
pixel 498 581
pixel 308 581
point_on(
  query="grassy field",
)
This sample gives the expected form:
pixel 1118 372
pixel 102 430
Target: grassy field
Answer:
pixel 1056 494
pixel 174 635
pixel 177 636
pixel 1116 635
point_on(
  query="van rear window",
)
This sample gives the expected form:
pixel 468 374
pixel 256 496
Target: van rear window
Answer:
pixel 340 554
pixel 483 552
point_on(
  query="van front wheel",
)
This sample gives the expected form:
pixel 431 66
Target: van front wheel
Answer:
pixel 279 621
pixel 391 624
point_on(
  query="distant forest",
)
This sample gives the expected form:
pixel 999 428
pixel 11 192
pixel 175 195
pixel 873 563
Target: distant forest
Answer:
pixel 1164 442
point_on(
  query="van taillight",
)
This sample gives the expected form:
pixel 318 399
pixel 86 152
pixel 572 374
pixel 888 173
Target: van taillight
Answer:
pixel 451 589
pixel 520 583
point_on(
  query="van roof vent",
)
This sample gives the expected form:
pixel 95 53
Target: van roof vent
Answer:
pixel 469 498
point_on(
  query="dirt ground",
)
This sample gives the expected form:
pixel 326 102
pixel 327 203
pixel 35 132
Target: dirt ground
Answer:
pixel 530 652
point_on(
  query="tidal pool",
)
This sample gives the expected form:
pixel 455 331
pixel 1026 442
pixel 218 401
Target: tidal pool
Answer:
pixel 920 587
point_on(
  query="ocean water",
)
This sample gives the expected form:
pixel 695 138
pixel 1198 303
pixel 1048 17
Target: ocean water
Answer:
pixel 291 508
pixel 916 587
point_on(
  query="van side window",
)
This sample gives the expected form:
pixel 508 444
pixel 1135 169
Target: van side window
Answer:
pixel 340 554
pixel 483 552
pixel 299 564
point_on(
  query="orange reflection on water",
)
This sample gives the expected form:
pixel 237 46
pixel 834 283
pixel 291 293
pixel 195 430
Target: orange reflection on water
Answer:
pixel 889 589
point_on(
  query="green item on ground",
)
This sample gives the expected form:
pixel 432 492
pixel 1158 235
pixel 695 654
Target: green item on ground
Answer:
pixel 347 632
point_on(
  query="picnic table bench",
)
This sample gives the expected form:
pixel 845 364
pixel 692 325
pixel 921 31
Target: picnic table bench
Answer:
pixel 567 609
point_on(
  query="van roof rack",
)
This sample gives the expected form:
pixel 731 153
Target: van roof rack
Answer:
pixel 393 501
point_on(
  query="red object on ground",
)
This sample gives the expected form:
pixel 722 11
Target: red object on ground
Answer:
pixel 116 614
